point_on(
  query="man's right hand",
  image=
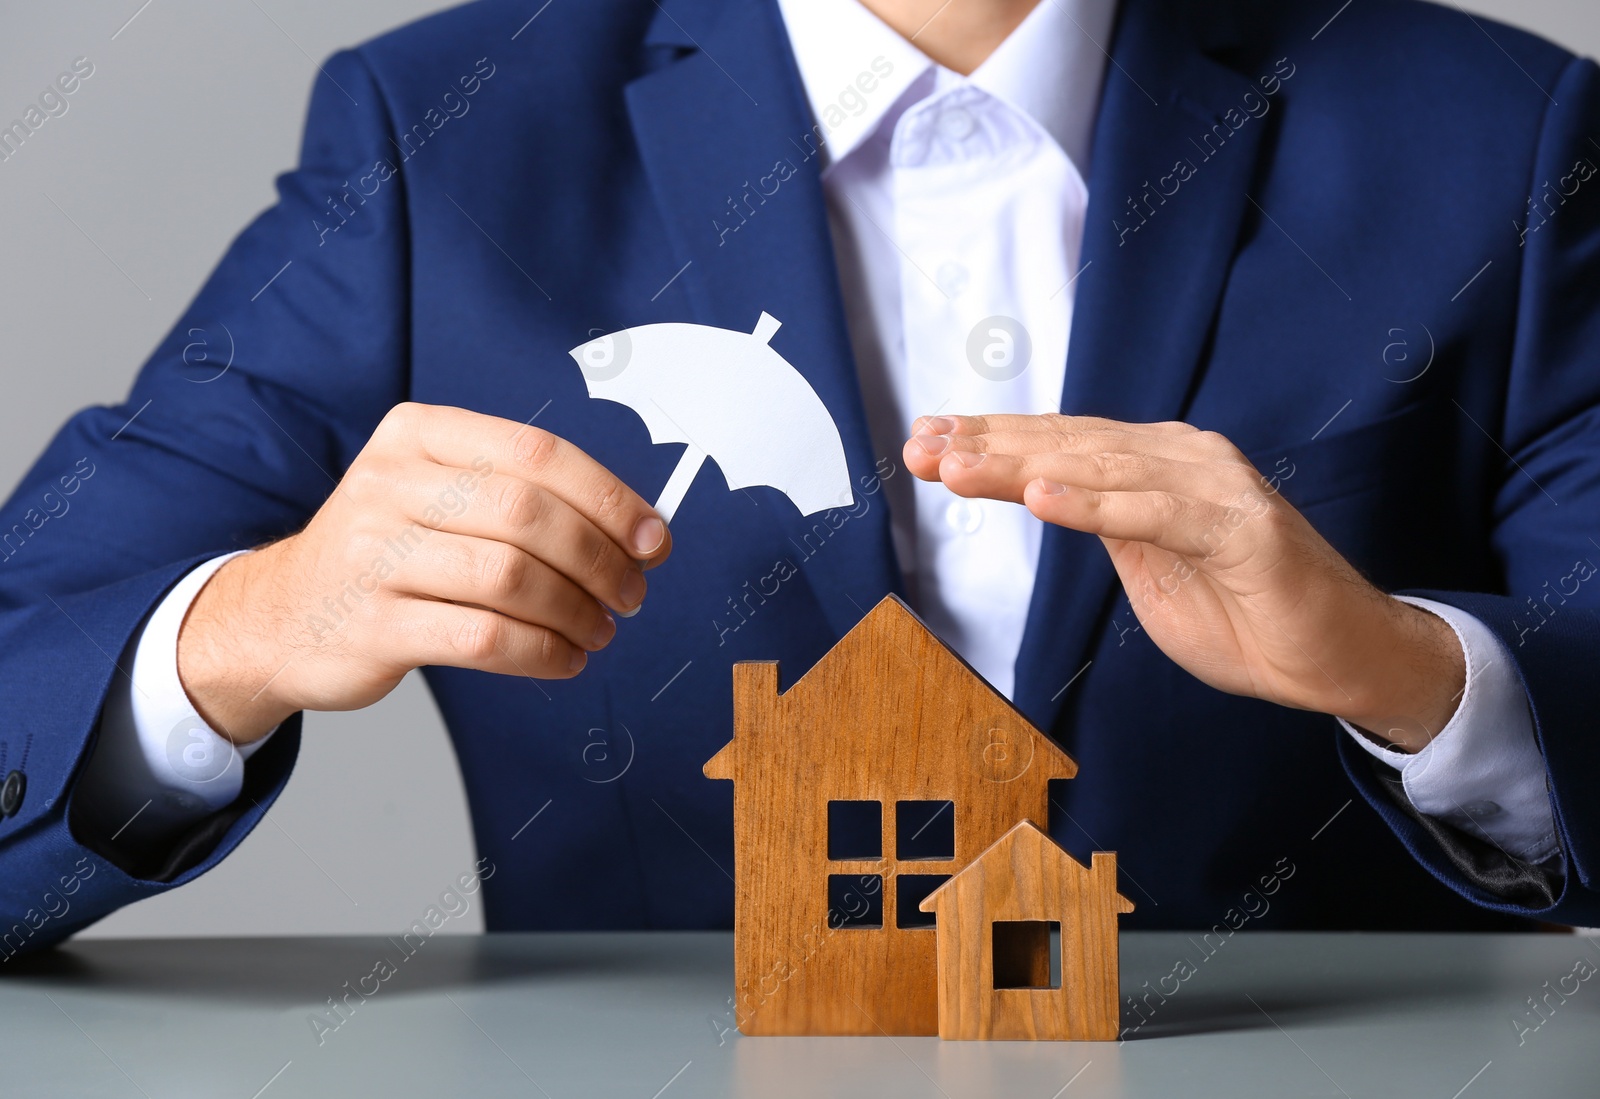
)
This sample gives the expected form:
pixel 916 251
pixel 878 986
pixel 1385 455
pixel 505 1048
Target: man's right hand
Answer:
pixel 455 539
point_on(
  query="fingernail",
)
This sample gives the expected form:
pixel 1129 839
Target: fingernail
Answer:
pixel 938 425
pixel 577 660
pixel 648 534
pixel 604 632
pixel 933 445
pixel 969 458
pixel 1051 488
pixel 631 592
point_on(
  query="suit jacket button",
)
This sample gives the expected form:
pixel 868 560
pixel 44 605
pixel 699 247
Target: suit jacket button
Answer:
pixel 11 791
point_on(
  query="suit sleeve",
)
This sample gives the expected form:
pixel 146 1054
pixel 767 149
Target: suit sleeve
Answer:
pixel 1543 522
pixel 233 435
pixel 156 768
pixel 1482 773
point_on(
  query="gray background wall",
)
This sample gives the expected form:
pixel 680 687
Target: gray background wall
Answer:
pixel 110 218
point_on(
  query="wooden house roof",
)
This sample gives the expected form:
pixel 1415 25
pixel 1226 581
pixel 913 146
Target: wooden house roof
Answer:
pixel 890 661
pixel 1025 845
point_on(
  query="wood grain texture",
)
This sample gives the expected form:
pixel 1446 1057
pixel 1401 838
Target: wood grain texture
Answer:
pixel 888 714
pixel 1025 876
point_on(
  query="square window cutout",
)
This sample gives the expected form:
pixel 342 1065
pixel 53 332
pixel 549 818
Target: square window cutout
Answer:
pixel 855 830
pixel 1027 953
pixel 910 891
pixel 855 900
pixel 925 830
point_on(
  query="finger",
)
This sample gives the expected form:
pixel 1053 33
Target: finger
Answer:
pixel 1032 434
pixel 1194 446
pixel 433 633
pixel 488 444
pixel 1191 446
pixel 504 579
pixel 1005 476
pixel 1033 422
pixel 1169 521
pixel 532 518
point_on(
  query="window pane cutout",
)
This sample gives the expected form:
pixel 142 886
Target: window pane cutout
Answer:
pixel 855 830
pixel 910 891
pixel 855 900
pixel 925 830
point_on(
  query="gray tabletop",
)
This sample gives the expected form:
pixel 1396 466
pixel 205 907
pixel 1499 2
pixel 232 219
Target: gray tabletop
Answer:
pixel 647 1016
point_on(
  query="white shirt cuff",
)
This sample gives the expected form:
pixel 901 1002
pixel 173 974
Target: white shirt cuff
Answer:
pixel 1483 773
pixel 157 767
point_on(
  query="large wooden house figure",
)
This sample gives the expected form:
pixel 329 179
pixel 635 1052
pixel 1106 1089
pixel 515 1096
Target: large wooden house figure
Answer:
pixel 870 783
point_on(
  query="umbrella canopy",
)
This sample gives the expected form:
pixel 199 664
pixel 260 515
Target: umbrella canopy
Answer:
pixel 727 395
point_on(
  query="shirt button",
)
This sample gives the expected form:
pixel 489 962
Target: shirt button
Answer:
pixel 952 278
pixel 956 123
pixel 964 516
pixel 183 802
pixel 1477 809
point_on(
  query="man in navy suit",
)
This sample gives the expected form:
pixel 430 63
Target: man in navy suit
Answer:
pixel 1328 406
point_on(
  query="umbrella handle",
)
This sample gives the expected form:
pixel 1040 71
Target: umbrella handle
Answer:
pixel 678 484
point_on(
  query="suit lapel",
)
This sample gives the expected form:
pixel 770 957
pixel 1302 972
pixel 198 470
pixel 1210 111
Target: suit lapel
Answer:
pixel 1155 266
pixel 722 131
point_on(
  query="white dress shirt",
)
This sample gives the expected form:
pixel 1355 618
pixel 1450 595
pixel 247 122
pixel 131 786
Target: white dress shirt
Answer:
pixel 157 767
pixel 956 206
pixel 956 200
pixel 957 214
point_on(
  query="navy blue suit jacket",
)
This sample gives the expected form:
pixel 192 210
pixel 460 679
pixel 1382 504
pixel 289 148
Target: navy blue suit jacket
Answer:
pixel 1318 244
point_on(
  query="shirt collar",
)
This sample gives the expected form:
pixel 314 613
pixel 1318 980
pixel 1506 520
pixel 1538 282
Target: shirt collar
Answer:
pixel 854 68
pixel 857 70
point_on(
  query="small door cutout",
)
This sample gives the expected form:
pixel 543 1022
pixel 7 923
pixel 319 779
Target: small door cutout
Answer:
pixel 1027 953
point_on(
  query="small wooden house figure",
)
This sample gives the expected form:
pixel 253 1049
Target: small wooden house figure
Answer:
pixel 995 920
pixel 881 772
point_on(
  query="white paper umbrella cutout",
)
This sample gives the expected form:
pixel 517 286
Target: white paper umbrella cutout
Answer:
pixel 726 395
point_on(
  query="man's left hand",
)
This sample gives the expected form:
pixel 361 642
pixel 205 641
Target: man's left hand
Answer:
pixel 1227 578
